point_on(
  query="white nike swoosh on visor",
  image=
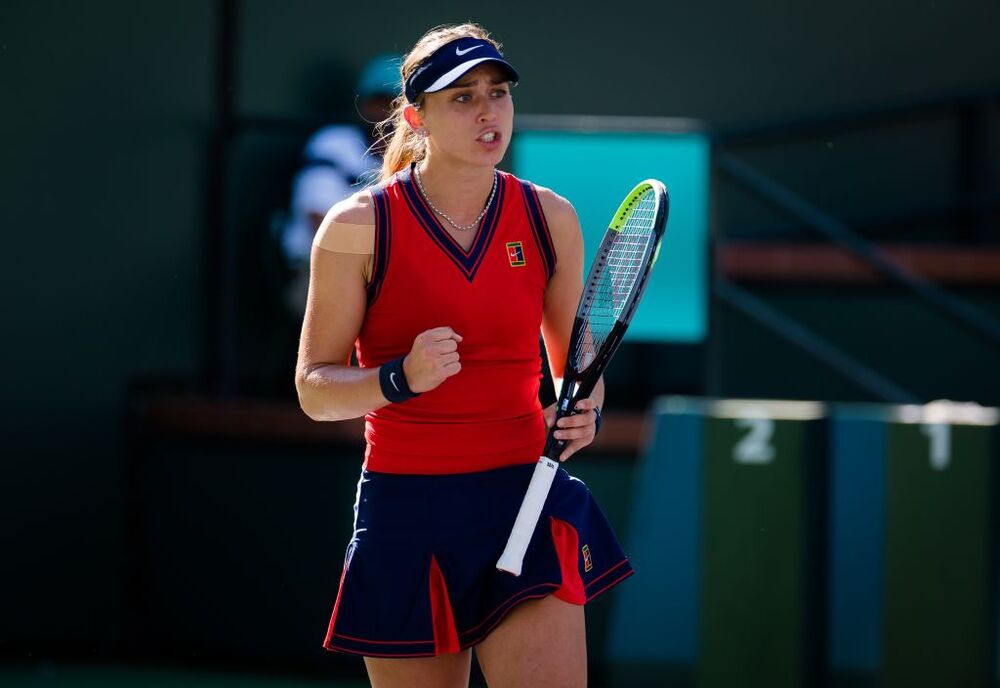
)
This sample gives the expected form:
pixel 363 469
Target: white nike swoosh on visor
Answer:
pixel 446 79
pixel 460 52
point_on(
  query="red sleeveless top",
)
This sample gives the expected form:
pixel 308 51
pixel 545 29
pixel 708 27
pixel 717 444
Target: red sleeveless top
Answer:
pixel 488 415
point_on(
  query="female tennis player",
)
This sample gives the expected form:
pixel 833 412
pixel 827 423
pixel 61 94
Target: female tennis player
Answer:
pixel 440 278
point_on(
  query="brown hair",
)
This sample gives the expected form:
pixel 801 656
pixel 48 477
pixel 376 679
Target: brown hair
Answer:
pixel 400 144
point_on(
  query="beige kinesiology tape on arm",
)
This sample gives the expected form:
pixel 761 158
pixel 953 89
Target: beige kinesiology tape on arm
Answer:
pixel 344 238
pixel 339 237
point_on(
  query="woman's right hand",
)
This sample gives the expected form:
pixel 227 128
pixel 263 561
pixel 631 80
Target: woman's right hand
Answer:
pixel 432 359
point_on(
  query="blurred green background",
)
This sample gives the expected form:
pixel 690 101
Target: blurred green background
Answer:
pixel 145 146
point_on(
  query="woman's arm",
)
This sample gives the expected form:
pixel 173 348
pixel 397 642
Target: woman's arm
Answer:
pixel 562 296
pixel 329 388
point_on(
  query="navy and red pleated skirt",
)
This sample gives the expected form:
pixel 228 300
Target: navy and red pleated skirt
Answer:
pixel 420 575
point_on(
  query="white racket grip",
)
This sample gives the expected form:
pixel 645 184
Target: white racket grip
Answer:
pixel 527 518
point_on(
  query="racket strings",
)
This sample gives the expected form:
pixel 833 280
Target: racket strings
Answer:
pixel 614 279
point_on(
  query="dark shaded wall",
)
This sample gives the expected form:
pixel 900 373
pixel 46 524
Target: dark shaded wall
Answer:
pixel 726 62
pixel 105 125
pixel 911 343
pixel 105 116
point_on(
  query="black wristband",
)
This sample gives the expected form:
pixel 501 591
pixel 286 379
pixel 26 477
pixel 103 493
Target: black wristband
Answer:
pixel 597 420
pixel 392 380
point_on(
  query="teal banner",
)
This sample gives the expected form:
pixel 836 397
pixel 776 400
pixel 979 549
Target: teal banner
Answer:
pixel 595 171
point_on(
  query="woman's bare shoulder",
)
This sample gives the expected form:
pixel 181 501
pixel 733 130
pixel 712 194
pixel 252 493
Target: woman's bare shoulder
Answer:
pixel 560 215
pixel 356 209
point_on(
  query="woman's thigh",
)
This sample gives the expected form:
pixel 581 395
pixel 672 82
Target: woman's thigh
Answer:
pixel 442 671
pixel 542 643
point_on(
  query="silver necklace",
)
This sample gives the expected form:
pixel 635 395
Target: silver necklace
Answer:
pixel 461 228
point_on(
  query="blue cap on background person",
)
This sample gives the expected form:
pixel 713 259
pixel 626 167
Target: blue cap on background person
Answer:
pixel 380 77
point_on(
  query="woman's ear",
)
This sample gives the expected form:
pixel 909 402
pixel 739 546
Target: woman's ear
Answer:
pixel 412 117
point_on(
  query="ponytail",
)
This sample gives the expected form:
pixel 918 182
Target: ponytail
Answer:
pixel 401 145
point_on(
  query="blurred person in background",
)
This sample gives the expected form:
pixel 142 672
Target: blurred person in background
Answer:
pixel 336 161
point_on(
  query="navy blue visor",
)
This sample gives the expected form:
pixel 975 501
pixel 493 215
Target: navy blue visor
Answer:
pixel 449 62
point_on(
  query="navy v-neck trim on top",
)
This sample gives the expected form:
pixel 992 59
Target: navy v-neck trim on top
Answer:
pixel 466 261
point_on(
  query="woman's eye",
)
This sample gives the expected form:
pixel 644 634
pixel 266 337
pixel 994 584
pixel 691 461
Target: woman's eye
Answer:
pixel 463 98
pixel 500 93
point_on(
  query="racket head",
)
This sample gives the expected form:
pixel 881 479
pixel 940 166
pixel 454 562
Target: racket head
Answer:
pixel 617 278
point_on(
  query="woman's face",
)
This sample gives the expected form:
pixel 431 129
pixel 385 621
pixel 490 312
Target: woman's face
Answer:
pixel 471 120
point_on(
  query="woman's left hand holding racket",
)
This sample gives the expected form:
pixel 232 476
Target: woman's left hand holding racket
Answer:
pixel 577 430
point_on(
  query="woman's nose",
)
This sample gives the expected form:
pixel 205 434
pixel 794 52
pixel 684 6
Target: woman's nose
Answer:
pixel 488 112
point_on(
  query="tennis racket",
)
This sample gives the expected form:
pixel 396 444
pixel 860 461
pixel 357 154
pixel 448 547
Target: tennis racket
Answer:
pixel 617 279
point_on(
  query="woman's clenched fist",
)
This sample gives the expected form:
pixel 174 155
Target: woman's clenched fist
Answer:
pixel 432 359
